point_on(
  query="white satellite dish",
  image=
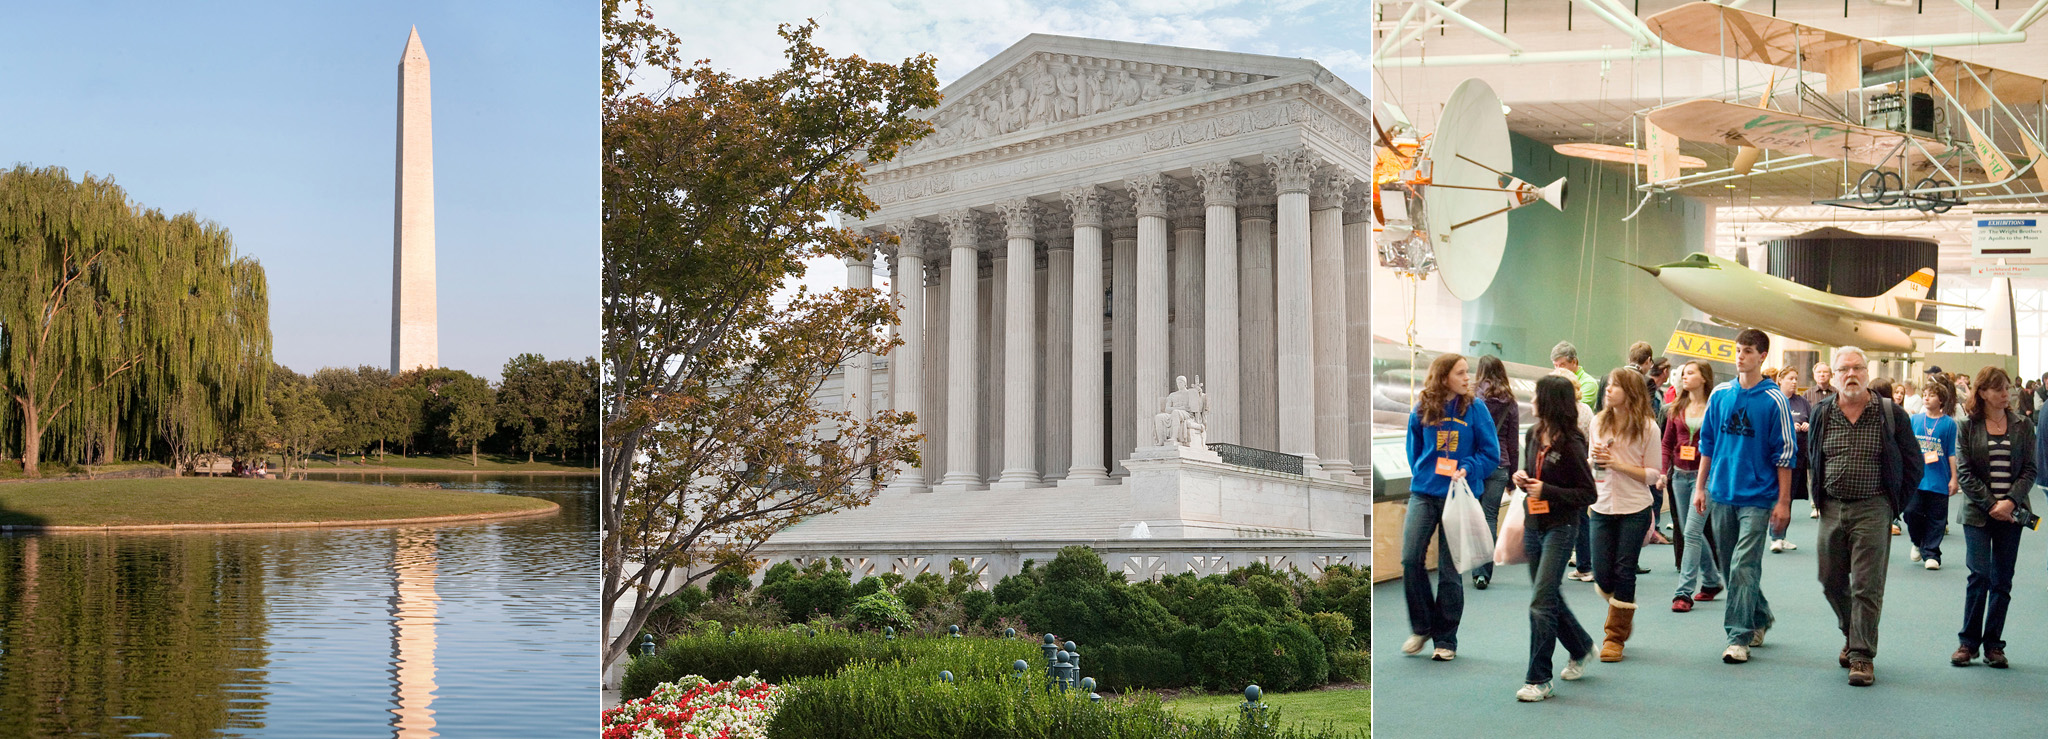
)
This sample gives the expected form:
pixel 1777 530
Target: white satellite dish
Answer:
pixel 1469 158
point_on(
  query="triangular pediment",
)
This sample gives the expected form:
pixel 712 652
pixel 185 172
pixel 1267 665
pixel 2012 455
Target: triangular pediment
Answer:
pixel 1047 81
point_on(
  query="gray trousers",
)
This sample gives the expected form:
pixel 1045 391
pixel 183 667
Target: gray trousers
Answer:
pixel 1854 551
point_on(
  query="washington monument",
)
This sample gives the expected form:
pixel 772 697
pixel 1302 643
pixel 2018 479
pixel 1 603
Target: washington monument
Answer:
pixel 414 343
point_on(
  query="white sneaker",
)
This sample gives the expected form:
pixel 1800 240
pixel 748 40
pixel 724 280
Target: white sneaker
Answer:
pixel 1787 544
pixel 1757 639
pixel 1934 564
pixel 1914 556
pixel 1777 545
pixel 1812 512
pixel 1533 692
pixel 1574 669
pixel 1443 655
pixel 1414 643
pixel 1735 654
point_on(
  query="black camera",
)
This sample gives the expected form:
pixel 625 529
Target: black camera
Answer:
pixel 2026 518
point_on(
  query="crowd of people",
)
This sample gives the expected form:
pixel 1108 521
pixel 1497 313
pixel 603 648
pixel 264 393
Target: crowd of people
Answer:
pixel 1606 455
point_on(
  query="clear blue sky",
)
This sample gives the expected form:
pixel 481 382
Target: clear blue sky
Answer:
pixel 278 121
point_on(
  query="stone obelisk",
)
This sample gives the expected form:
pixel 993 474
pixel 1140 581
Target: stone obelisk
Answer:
pixel 414 342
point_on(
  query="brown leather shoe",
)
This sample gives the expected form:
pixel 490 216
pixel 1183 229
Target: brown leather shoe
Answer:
pixel 1995 658
pixel 1843 658
pixel 1963 656
pixel 1862 673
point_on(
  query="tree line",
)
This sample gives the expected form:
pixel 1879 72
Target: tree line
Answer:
pixel 126 334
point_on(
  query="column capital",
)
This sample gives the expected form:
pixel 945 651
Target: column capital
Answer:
pixel 1058 243
pixel 934 271
pixel 1020 217
pixel 1292 168
pixel 1262 212
pixel 1086 204
pixel 985 264
pixel 1219 182
pixel 1149 191
pixel 1328 188
pixel 961 225
pixel 1358 203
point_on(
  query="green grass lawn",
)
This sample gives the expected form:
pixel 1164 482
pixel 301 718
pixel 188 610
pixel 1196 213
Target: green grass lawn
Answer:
pixel 10 469
pixel 173 500
pixel 458 462
pixel 1347 709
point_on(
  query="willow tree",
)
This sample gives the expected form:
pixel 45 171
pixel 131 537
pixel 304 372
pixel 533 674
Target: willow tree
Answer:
pixel 716 192
pixel 111 312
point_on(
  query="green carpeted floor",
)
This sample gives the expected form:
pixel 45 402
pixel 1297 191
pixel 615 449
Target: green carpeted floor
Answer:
pixel 1674 683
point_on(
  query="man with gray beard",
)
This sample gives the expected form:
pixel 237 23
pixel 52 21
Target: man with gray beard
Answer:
pixel 1865 461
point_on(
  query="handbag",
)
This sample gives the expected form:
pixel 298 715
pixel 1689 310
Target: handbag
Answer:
pixel 1465 527
pixel 1508 550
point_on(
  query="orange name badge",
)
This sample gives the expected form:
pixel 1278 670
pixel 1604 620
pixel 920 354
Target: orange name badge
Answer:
pixel 1933 456
pixel 1446 466
pixel 1688 453
pixel 1539 506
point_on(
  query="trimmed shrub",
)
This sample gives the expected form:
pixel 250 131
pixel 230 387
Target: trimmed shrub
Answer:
pixel 915 595
pixel 979 606
pixel 827 591
pixel 910 702
pixel 1351 665
pixel 728 583
pixel 1118 667
pixel 782 655
pixel 876 610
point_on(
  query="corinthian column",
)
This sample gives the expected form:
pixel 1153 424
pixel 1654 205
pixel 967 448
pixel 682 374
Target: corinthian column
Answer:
pixel 962 402
pixel 1326 239
pixel 1087 468
pixel 1150 352
pixel 906 368
pixel 1123 342
pixel 1260 409
pixel 1292 170
pixel 1219 298
pixel 1358 324
pixel 1020 370
pixel 859 379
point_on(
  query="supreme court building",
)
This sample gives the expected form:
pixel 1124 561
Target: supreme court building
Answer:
pixel 1091 221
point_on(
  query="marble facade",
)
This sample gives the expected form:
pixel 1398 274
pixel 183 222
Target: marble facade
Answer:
pixel 1090 220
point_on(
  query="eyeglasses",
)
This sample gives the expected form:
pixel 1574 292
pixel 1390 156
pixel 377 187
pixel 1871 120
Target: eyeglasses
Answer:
pixel 1852 368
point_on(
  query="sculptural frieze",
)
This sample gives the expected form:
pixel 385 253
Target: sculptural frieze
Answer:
pixel 1052 89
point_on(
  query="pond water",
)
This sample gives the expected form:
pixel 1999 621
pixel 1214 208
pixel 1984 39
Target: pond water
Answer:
pixel 479 629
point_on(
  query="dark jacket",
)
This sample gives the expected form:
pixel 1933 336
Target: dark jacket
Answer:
pixel 1507 426
pixel 1973 444
pixel 1567 478
pixel 1677 435
pixel 1903 464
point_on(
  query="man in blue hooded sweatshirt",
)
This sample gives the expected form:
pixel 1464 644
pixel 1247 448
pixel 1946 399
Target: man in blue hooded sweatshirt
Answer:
pixel 1747 449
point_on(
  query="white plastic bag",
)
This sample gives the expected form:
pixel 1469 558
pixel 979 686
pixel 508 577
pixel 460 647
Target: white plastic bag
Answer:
pixel 1465 528
pixel 1509 550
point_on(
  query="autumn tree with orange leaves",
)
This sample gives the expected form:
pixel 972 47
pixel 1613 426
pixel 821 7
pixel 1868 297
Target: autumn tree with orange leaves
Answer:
pixel 716 191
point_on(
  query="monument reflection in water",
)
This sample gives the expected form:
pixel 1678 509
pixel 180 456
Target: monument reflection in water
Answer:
pixel 414 608
pixel 458 630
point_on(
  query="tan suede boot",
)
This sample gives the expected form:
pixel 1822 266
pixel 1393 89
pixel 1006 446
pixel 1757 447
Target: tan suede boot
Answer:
pixel 1621 618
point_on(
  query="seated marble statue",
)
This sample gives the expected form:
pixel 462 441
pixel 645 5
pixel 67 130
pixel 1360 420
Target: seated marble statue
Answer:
pixel 1183 417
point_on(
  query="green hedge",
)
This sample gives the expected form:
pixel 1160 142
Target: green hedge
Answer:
pixel 784 655
pixel 871 701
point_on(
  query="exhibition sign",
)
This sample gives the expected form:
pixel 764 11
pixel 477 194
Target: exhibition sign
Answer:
pixel 2009 236
pixel 2010 270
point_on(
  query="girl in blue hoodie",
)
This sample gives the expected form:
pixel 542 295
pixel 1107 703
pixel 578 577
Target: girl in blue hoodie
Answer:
pixel 1450 436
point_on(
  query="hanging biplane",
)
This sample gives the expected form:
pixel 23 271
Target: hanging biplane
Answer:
pixel 1904 115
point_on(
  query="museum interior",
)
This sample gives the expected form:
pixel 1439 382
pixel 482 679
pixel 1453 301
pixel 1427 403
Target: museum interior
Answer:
pixel 1602 173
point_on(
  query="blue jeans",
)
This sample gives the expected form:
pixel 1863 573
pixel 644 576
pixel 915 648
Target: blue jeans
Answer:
pixel 1489 500
pixel 1926 518
pixel 1697 565
pixel 1993 549
pixel 1740 537
pixel 1582 551
pixel 1434 615
pixel 1617 546
pixel 1550 619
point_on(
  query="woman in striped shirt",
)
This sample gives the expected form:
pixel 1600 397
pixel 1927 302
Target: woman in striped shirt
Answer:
pixel 1996 473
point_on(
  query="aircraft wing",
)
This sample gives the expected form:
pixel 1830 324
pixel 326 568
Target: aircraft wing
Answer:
pixel 1852 314
pixel 1740 34
pixel 1735 124
pixel 1924 301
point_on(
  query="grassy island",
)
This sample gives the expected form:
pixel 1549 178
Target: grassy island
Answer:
pixel 442 463
pixel 200 502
